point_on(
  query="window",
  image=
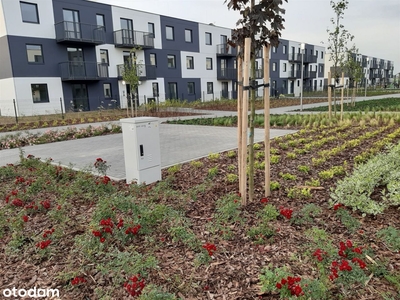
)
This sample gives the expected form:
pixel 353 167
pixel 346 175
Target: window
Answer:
pixel 153 59
pixel 298 82
pixel 208 38
pixel 320 69
pixel 284 67
pixel 284 49
pixel 190 87
pixel 39 93
pixel 150 27
pixel 210 88
pixel 316 53
pixel 320 83
pixel 156 92
pixel 104 56
pixel 274 49
pixel 29 12
pixel 284 85
pixel 189 62
pixel 209 65
pixel 188 36
pixel 172 90
pixel 274 66
pixel 171 61
pixel 322 54
pixel 107 90
pixel 234 64
pixel 101 21
pixel 169 31
pixel 34 53
pixel 274 84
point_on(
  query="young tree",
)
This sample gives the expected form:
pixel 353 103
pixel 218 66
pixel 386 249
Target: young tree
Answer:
pixel 254 17
pixel 338 39
pixel 131 75
pixel 353 69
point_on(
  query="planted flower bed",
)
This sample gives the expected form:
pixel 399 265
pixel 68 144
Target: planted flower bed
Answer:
pixel 188 236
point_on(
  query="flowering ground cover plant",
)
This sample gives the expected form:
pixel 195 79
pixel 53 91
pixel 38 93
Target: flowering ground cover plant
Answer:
pixel 189 237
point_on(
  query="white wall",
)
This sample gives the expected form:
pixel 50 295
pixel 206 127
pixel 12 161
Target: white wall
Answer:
pixel 23 95
pixel 7 94
pixel 15 26
pixel 140 21
pixel 216 33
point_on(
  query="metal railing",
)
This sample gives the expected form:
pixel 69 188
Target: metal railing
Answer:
pixel 77 32
pixel 225 50
pixel 145 72
pixel 72 70
pixel 226 74
pixel 125 38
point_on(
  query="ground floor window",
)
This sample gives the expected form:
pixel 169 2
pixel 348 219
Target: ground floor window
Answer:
pixel 210 88
pixel 39 93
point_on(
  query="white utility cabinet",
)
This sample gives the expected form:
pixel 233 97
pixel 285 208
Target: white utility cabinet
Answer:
pixel 141 139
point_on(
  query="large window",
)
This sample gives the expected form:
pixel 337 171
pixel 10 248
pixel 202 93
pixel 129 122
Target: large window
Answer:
pixel 150 27
pixel 29 12
pixel 210 88
pixel 153 59
pixel 208 38
pixel 284 67
pixel 188 36
pixel 171 61
pixel 34 54
pixel 156 92
pixel 104 56
pixel 100 21
pixel 169 33
pixel 39 93
pixel 190 87
pixel 189 62
pixel 209 64
pixel 107 90
pixel 172 90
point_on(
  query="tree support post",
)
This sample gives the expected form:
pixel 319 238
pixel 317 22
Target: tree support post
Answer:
pixel 267 121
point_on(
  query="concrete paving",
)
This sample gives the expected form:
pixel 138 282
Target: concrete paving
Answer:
pixel 178 143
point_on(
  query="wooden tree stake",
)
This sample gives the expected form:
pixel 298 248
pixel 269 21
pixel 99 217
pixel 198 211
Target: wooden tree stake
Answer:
pixel 239 118
pixel 341 98
pixel 266 122
pixel 329 96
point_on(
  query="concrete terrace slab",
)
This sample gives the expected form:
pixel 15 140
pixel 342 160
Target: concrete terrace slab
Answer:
pixel 179 143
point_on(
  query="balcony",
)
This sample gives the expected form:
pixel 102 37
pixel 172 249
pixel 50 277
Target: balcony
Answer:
pixel 79 33
pixel 294 57
pixel 125 38
pixel 87 71
pixel 225 50
pixel 310 74
pixel 310 59
pixel 294 74
pixel 145 72
pixel 226 74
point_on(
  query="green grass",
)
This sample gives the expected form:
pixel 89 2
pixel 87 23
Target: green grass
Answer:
pixel 387 104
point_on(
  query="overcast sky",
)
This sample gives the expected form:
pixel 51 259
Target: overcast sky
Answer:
pixel 374 23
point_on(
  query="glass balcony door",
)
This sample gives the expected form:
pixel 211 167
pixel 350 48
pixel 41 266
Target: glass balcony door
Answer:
pixel 76 62
pixel 71 24
pixel 127 31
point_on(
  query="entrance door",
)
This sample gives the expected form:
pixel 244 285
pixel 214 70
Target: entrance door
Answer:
pixel 80 98
pixel 76 63
pixel 224 92
pixel 71 24
pixel 172 90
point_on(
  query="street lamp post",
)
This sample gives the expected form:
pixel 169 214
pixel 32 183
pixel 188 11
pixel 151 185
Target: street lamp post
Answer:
pixel 302 47
pixel 366 74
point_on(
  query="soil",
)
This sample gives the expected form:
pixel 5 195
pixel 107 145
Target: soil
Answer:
pixel 234 270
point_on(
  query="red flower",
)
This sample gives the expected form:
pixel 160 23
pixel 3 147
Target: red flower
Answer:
pixel 264 200
pixel 43 244
pixel 120 223
pixel 17 202
pixel 210 248
pixel 357 250
pixel 96 233
pixel 337 206
pixel 78 280
pixel 25 218
pixel 286 212
pixel 45 204
pixel 14 192
pixel 278 286
pixel 102 240
pixel 349 244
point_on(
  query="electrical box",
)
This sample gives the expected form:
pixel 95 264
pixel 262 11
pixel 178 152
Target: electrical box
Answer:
pixel 141 139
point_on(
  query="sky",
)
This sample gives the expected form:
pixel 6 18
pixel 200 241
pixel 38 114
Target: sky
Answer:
pixel 375 24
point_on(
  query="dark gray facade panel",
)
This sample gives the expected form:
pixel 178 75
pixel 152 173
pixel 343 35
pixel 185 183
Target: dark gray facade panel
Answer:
pixel 182 85
pixel 53 54
pixel 5 59
pixel 179 34
pixel 279 55
pixel 87 13
pixel 162 69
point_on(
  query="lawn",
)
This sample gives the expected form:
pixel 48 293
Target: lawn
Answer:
pixel 188 237
pixel 387 104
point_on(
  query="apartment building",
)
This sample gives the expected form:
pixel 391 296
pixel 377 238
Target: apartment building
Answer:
pixel 70 54
pixel 376 71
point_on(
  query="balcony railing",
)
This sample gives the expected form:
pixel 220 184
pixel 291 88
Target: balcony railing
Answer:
pixel 310 74
pixel 259 73
pixel 294 74
pixel 125 38
pixel 310 59
pixel 145 72
pixel 75 32
pixel 72 70
pixel 294 57
pixel 225 50
pixel 226 74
